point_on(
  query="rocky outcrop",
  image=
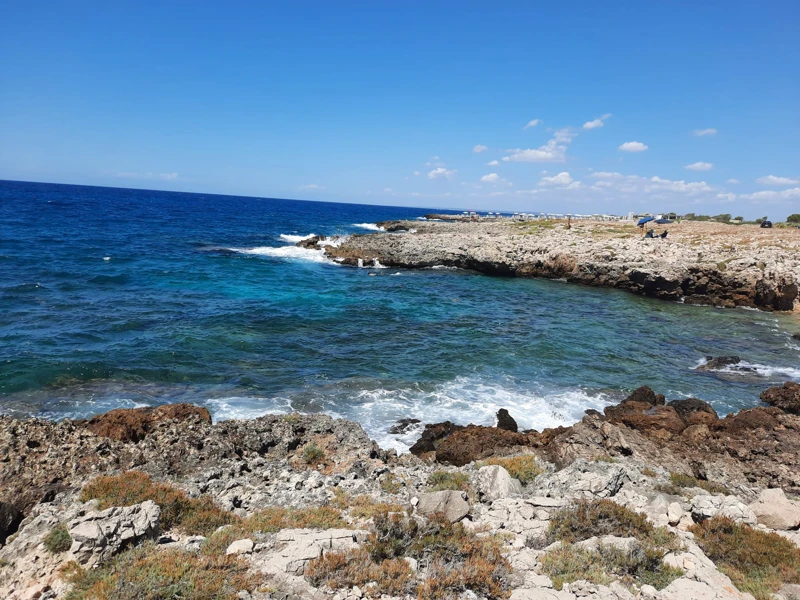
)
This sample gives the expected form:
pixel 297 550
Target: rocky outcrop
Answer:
pixel 774 510
pixel 476 442
pixel 493 482
pixel 133 424
pixel 786 397
pixel 720 362
pixel 432 436
pixel 452 505
pixel 506 421
pixel 744 267
pixel 10 518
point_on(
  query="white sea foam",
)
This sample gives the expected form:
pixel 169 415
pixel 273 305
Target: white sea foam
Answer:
pixel 285 252
pixel 443 268
pixel 370 226
pixel 745 368
pixel 238 407
pixel 106 258
pixel 295 238
pixel 334 241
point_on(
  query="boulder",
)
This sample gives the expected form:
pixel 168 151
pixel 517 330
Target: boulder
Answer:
pixel 432 436
pixel 645 394
pixel 643 419
pixel 754 418
pixel 786 397
pixel 96 536
pixel 720 362
pixel 451 504
pixel 311 243
pixel 10 519
pixel 688 408
pixel 774 510
pixel 402 426
pixel 506 421
pixel 476 442
pixel 134 424
pixel 294 548
pixel 244 546
pixel 494 482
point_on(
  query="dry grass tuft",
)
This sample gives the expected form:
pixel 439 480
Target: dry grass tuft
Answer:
pixel 58 540
pixel 757 562
pixel 678 482
pixel 195 516
pixel 523 467
pixel 448 480
pixel 313 454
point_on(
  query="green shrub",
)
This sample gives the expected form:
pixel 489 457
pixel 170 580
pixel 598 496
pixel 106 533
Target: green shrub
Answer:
pixel 313 454
pixel 58 540
pixel 448 480
pixel 523 467
pixel 757 562
pixel 687 481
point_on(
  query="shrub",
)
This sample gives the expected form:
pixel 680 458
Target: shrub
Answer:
pixel 195 516
pixel 757 562
pixel 794 218
pixel 313 454
pixel 648 472
pixel 145 572
pixel 58 540
pixel 687 481
pixel 390 484
pixel 341 570
pixel 523 467
pixel 363 506
pixel 448 480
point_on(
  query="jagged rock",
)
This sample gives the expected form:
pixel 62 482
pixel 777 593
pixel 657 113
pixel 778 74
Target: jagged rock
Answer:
pixel 786 397
pixel 453 505
pixel 642 416
pixel 295 547
pixel 706 506
pixel 10 519
pixel 97 536
pixel 432 436
pixel 775 510
pixel 720 362
pixel 244 546
pixel 645 394
pixel 694 411
pixel 133 424
pixel 582 479
pixel 402 426
pixel 311 242
pixel 506 421
pixel 476 442
pixel 494 482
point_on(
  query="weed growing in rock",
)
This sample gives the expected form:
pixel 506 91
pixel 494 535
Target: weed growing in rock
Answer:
pixel 448 480
pixel 391 484
pixel 523 467
pixel 313 454
pixel 146 572
pixel 195 516
pixel 457 560
pixel 680 480
pixel 648 472
pixel 58 540
pixel 363 506
pixel 757 562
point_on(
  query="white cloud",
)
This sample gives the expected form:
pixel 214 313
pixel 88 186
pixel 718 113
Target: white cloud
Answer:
pixel 532 123
pixel 733 181
pixel 633 147
pixel 773 180
pixel 633 184
pixel 789 194
pixel 493 163
pixel 563 178
pixel 554 150
pixel 727 197
pixel 607 175
pixel 312 186
pixel 480 148
pixel 491 178
pixel 417 173
pixel 147 175
pixel 441 173
pixel 699 166
pixel 598 122
pixel 703 132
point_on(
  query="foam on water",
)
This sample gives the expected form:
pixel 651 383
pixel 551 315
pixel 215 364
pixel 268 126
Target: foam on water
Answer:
pixel 748 368
pixel 293 239
pixel 370 226
pixel 285 252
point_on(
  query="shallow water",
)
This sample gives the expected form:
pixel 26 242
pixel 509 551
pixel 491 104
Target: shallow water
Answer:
pixel 113 297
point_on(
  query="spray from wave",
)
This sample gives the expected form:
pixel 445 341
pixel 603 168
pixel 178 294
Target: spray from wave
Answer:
pixel 370 226
pixel 293 239
pixel 285 252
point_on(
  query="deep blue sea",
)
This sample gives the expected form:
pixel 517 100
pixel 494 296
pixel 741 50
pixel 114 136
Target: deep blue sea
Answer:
pixel 122 298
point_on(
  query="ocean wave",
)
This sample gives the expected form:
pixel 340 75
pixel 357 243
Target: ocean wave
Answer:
pixel 370 226
pixel 285 252
pixel 293 239
pixel 744 368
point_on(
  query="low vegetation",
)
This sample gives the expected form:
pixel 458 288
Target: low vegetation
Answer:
pixel 679 482
pixel 391 484
pixel 313 454
pixel 148 573
pixel 456 559
pixel 194 516
pixel 58 540
pixel 585 519
pixel 523 467
pixel 363 506
pixel 448 480
pixel 757 562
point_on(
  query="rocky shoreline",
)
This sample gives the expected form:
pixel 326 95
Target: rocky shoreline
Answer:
pixel 698 263
pixel 305 506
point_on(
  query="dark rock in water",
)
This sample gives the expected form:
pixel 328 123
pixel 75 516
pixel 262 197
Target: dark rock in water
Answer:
pixel 796 336
pixel 402 426
pixel 786 397
pixel 506 421
pixel 593 412
pixel 475 442
pixel 311 242
pixel 694 411
pixel 10 518
pixel 720 362
pixel 645 394
pixel 133 424
pixel 432 437
pixel 393 225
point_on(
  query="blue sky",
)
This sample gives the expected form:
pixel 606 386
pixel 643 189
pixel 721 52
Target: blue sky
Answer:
pixel 688 106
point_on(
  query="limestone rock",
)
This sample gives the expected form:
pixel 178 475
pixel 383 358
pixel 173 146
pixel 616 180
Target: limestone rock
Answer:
pixel 786 397
pixel 582 479
pixel 10 519
pixel 96 536
pixel 494 482
pixel 774 510
pixel 244 546
pixel 453 505
pixel 295 547
pixel 133 424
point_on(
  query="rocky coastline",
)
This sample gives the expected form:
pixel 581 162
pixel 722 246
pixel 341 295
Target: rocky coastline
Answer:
pixel 635 502
pixel 697 263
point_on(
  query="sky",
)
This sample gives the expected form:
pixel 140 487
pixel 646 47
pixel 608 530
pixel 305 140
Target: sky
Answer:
pixel 580 107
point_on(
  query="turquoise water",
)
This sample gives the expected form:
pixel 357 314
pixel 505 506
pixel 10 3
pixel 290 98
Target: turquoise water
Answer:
pixel 119 298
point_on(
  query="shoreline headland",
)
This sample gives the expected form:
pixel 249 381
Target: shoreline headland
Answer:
pixel 697 263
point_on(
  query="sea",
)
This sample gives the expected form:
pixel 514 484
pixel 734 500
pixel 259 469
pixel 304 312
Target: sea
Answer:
pixel 126 298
